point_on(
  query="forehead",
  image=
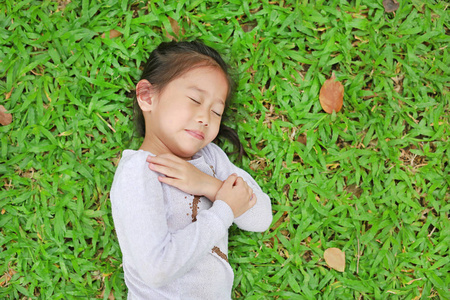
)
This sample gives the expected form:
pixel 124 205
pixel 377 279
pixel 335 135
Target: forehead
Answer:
pixel 209 80
pixel 203 71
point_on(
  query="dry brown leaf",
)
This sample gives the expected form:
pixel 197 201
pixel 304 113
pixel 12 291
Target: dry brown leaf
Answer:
pixel 331 95
pixel 7 277
pixel 398 83
pixel 110 296
pixel 335 259
pixel 5 118
pixel 390 5
pixel 302 139
pixel 354 189
pixel 8 95
pixel 112 34
pixel 175 28
pixel 247 27
pixel 62 4
pixel 280 221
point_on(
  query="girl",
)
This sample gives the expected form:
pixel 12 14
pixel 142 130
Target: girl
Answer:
pixel 174 199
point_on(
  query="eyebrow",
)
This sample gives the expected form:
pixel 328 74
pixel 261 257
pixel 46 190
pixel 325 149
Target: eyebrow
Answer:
pixel 196 88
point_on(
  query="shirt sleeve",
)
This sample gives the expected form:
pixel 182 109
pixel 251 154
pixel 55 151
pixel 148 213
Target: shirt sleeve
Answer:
pixel 156 255
pixel 259 217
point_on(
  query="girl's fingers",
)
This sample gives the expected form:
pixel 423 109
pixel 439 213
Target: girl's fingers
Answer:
pixel 168 158
pixel 239 181
pixel 162 169
pixel 230 181
pixel 168 180
pixel 161 161
pixel 164 165
pixel 236 182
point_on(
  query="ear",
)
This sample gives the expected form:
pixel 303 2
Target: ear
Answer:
pixel 144 95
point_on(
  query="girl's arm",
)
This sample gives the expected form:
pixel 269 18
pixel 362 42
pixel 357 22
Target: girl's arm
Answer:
pixel 189 179
pixel 149 250
pixel 259 217
pixel 184 176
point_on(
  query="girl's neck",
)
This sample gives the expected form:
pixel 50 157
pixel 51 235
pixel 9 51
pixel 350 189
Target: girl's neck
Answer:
pixel 148 146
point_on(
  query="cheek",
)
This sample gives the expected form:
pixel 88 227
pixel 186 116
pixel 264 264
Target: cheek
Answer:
pixel 214 129
pixel 180 112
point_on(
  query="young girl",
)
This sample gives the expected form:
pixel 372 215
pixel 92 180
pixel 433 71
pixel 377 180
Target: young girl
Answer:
pixel 174 199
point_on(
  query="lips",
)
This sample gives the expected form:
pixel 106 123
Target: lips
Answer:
pixel 196 134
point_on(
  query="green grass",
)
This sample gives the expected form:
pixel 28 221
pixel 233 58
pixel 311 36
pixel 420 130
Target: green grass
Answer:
pixel 372 180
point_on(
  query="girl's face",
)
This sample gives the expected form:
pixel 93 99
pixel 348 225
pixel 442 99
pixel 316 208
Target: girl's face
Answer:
pixel 187 113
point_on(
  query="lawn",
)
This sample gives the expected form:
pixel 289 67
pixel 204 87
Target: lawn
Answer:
pixel 372 179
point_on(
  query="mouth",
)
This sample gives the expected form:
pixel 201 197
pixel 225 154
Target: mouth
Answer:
pixel 196 134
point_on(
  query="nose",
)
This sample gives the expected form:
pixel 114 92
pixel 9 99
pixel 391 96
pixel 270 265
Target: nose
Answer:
pixel 203 122
pixel 203 117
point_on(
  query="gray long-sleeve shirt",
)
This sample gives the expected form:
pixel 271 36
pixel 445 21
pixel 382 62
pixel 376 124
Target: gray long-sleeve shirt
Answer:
pixel 175 245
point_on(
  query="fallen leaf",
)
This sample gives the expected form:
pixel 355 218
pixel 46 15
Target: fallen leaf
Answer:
pixel 5 118
pixel 331 95
pixel 247 27
pixel 112 34
pixel 335 259
pixel 354 189
pixel 62 5
pixel 110 296
pixel 302 139
pixel 175 29
pixel 7 277
pixel 390 5
pixel 175 26
pixel 398 83
pixel 280 221
pixel 8 95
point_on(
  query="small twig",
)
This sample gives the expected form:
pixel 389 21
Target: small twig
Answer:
pixel 429 235
pixel 434 228
pixel 414 280
pixel 109 125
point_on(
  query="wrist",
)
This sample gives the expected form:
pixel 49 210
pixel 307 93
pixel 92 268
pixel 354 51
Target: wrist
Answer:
pixel 212 187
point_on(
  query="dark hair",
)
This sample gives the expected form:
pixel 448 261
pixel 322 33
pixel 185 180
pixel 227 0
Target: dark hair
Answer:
pixel 171 60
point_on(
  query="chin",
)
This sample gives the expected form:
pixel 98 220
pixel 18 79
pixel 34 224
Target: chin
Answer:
pixel 187 155
pixel 187 151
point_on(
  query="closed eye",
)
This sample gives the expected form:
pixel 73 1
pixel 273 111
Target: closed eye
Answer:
pixel 198 102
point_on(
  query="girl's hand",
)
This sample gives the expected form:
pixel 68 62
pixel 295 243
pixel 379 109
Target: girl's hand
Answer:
pixel 237 194
pixel 184 176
